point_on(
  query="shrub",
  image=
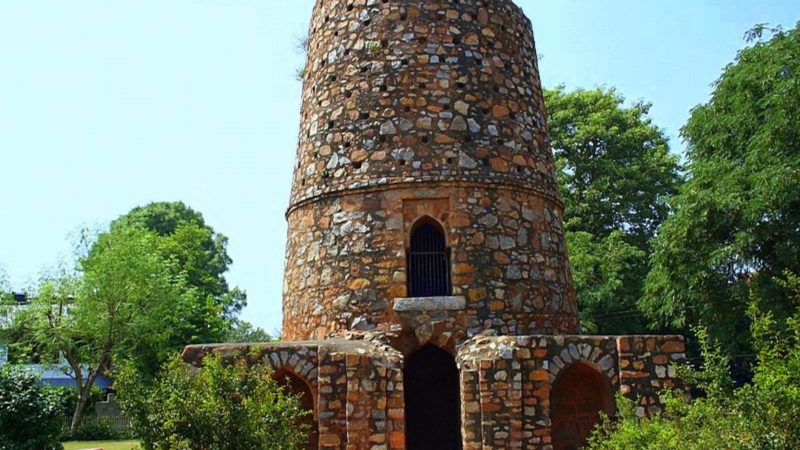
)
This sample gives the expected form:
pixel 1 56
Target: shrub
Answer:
pixel 762 415
pixel 216 407
pixel 96 430
pixel 30 417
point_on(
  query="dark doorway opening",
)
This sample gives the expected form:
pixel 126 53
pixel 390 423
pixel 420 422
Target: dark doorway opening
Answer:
pixel 433 401
pixel 576 400
pixel 296 386
pixel 428 262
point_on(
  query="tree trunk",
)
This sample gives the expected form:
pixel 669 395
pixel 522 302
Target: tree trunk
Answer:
pixel 84 392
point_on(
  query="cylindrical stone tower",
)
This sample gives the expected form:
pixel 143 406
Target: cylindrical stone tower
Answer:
pixel 426 117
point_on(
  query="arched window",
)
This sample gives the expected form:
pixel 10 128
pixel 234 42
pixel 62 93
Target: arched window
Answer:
pixel 576 400
pixel 428 262
pixel 294 385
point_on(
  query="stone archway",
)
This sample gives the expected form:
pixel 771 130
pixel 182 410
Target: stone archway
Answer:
pixel 577 397
pixel 432 400
pixel 296 386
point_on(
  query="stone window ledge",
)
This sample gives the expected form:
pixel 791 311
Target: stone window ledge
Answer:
pixel 430 304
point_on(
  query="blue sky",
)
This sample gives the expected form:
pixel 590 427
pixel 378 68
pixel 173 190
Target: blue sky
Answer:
pixel 106 105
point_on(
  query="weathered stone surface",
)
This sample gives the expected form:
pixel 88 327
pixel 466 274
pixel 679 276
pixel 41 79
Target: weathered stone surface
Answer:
pixel 431 111
pixel 416 109
pixel 430 304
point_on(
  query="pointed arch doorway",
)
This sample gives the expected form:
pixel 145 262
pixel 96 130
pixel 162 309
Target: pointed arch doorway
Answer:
pixel 433 400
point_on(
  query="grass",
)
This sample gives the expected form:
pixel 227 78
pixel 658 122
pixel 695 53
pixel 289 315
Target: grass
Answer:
pixel 105 445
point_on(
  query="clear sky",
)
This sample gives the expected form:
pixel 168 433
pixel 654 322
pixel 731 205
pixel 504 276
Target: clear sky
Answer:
pixel 106 105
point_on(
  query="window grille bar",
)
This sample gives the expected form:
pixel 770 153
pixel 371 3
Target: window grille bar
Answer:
pixel 428 263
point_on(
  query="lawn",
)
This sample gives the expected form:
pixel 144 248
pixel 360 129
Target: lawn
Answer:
pixel 105 445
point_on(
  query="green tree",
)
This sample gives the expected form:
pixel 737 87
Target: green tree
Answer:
pixel 200 252
pixel 615 173
pixel 125 301
pixel 761 415
pixel 737 220
pixel 30 416
pixel 216 407
pixel 608 278
pixel 243 332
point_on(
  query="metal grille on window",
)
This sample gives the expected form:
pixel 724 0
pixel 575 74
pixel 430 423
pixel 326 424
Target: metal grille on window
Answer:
pixel 428 263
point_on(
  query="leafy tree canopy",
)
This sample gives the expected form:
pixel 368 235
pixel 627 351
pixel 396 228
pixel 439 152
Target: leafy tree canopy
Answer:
pixel 125 300
pixel 243 332
pixel 200 252
pixel 615 173
pixel 5 288
pixel 737 220
pixel 608 278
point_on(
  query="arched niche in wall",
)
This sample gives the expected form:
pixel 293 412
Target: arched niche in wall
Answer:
pixel 298 387
pixel 577 397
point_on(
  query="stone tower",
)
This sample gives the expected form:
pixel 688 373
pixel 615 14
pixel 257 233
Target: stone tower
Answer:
pixel 424 112
pixel 428 303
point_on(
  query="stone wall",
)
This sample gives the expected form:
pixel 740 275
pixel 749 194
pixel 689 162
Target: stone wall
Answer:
pixel 346 260
pixel 508 385
pixel 422 90
pixel 413 109
pixel 647 367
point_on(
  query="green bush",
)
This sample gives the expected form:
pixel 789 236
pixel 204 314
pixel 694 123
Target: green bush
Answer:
pixel 30 417
pixel 762 415
pixel 95 430
pixel 218 407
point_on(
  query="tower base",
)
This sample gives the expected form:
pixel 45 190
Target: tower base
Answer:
pixel 524 392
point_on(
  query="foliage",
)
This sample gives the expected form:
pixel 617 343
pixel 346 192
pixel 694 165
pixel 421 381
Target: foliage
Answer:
pixel 126 301
pixel 68 398
pixel 216 407
pixel 243 332
pixel 614 166
pixel 96 430
pixel 30 418
pixel 762 415
pixel 200 252
pixel 615 173
pixel 737 220
pixel 5 287
pixel 147 287
pixel 6 308
pixel 607 277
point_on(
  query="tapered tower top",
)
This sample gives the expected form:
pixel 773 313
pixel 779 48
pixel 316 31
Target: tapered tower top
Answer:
pixel 424 181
